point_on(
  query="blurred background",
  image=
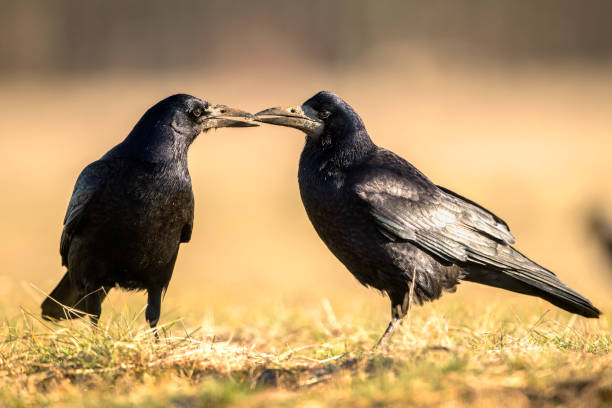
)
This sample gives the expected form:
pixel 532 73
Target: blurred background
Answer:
pixel 508 103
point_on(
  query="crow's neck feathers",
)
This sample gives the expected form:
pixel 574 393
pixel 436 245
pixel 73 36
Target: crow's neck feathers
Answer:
pixel 162 141
pixel 342 144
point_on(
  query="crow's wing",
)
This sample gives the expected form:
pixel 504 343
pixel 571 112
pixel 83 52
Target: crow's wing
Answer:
pixel 88 185
pixel 408 206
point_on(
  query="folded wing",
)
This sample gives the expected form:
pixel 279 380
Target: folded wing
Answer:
pixel 407 206
pixel 88 185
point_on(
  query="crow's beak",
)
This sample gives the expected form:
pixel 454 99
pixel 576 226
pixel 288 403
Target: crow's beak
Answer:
pixel 218 116
pixel 302 117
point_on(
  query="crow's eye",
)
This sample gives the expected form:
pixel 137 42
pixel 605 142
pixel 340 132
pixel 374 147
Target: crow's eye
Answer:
pixel 197 111
pixel 323 114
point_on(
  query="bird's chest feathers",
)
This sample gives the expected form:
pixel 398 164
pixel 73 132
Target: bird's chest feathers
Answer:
pixel 320 186
pixel 320 172
pixel 323 195
pixel 160 190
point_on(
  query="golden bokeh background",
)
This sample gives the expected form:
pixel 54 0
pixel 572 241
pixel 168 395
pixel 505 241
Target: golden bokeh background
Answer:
pixel 509 105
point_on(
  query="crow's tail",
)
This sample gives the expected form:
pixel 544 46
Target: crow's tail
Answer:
pixel 521 275
pixel 65 302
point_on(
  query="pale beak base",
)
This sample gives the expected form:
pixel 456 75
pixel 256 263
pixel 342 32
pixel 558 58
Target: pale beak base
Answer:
pixel 303 118
pixel 219 116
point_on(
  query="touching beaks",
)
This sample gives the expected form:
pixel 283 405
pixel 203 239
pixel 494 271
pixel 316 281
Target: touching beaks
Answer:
pixel 218 116
pixel 302 117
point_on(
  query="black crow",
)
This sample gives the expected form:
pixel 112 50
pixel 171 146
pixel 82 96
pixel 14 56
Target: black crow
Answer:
pixel 132 208
pixel 393 228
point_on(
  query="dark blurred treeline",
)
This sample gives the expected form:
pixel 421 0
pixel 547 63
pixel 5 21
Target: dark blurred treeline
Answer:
pixel 68 36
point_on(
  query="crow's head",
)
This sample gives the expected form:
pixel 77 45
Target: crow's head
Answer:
pixel 325 118
pixel 189 115
pixel 169 127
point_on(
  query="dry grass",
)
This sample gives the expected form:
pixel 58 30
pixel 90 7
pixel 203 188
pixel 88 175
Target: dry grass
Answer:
pixel 245 325
pixel 287 358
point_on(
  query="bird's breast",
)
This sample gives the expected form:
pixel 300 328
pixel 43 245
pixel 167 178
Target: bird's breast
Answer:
pixel 339 219
pixel 145 206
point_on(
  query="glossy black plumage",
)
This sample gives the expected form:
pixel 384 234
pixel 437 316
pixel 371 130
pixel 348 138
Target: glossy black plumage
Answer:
pixel 131 209
pixel 393 228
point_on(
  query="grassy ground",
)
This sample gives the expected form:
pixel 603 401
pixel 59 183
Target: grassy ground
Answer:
pixel 276 356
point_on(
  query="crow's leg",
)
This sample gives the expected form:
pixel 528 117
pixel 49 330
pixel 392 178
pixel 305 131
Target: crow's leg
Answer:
pixel 93 304
pixel 153 307
pixel 397 315
pixel 400 304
